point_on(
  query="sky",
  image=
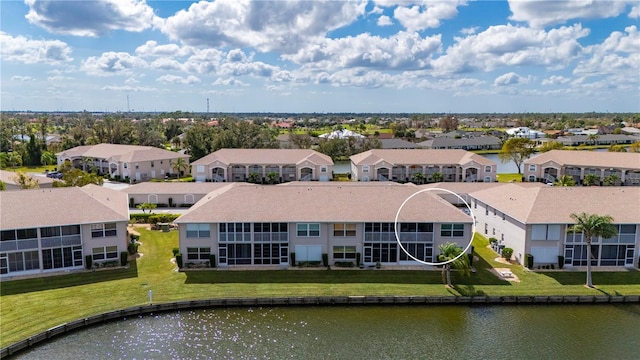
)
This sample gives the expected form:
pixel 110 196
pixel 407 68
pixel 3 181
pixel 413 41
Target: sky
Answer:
pixel 382 56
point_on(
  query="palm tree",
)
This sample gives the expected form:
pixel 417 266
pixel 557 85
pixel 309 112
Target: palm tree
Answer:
pixel 437 177
pixel 418 178
pixel 592 225
pixel 590 180
pixel 564 180
pixel 179 165
pixel 592 138
pixel 448 252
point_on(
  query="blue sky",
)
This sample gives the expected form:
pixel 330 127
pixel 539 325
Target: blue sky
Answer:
pixel 320 56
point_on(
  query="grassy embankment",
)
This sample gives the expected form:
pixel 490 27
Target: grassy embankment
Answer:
pixel 30 306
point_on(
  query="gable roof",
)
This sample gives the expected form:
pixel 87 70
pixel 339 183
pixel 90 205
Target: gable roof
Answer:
pixel 62 206
pixel 419 156
pixel 396 143
pixel 123 153
pixel 555 204
pixel 588 158
pixel 315 202
pixel 264 157
pixel 151 187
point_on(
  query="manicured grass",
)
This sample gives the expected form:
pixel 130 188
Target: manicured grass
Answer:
pixel 505 178
pixel 33 305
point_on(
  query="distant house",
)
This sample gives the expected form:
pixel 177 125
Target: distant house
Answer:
pixel 402 164
pixel 8 177
pixel 555 163
pixel 258 226
pixel 169 194
pixel 536 221
pixel 341 134
pixel 227 165
pixel 396 143
pixel 139 163
pixel 525 132
pixel 470 143
pixel 55 230
pixel 607 139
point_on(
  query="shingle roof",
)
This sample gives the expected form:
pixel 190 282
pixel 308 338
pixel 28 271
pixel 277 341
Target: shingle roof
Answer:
pixel 124 153
pixel 554 205
pixel 62 206
pixel 317 202
pixel 264 157
pixel 396 143
pixel 419 156
pixel 588 158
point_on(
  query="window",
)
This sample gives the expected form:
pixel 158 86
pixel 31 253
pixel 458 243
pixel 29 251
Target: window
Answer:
pixel 103 230
pixel 343 230
pixel 487 169
pixel 152 164
pixel 452 230
pixel 137 166
pixel 365 168
pixel 308 229
pixel 200 168
pixel 105 252
pixel 486 229
pixel 532 168
pixel 277 232
pixel 62 257
pixel 323 169
pixel 486 211
pixel 545 232
pixel 233 232
pixel 124 165
pixel 198 253
pixel 198 231
pixel 344 252
pixel 532 178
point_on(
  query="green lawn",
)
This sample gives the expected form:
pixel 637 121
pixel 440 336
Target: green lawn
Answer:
pixel 32 305
pixel 32 169
pixel 505 178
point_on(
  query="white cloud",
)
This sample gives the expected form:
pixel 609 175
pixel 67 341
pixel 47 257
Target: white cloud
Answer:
pixel 21 78
pixel 555 80
pixel 635 12
pixel 401 51
pixel 174 79
pixel 112 63
pixel 507 45
pixel 151 49
pixel 166 64
pixel 131 80
pixel 618 54
pixel 511 78
pixel 229 82
pixel 427 15
pixel 264 25
pixel 26 51
pixel 544 13
pixel 90 18
pixel 384 20
pixel 469 30
pixel 129 88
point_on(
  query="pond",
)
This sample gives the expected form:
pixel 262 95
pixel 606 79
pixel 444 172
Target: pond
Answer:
pixel 377 332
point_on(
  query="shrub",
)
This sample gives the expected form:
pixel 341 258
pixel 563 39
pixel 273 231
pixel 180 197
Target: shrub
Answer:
pixel 212 260
pixel 170 202
pixel 507 252
pixel 124 258
pixel 133 247
pixel 162 218
pixel 176 251
pixel 88 261
pixel 529 260
pixel 560 261
pixel 325 259
pixel 293 259
pixel 139 218
pixel 493 240
pixel 179 260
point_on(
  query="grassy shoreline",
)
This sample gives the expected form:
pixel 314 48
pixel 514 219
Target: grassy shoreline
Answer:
pixel 33 305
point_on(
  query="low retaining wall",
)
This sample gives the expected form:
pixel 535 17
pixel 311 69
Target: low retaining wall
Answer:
pixel 310 301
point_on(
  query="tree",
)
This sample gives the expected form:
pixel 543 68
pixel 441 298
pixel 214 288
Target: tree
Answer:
pixel 418 178
pixel 25 181
pixel 180 165
pixel 47 158
pixel 592 225
pixel 516 150
pixel 617 148
pixel 590 180
pixel 635 147
pixel 146 206
pixel 34 151
pixel 564 180
pixel 449 251
pixel 3 186
pixel 437 177
pixel 551 145
pixel 77 177
pixel 449 123
pixel 592 138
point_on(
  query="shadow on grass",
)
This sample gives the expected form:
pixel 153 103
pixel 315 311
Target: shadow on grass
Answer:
pixel 483 275
pixel 465 290
pixel 67 280
pixel 626 277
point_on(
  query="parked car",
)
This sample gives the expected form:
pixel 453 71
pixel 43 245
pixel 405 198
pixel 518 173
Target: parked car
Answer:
pixel 54 175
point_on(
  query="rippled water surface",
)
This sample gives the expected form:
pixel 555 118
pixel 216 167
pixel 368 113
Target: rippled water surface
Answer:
pixel 400 332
